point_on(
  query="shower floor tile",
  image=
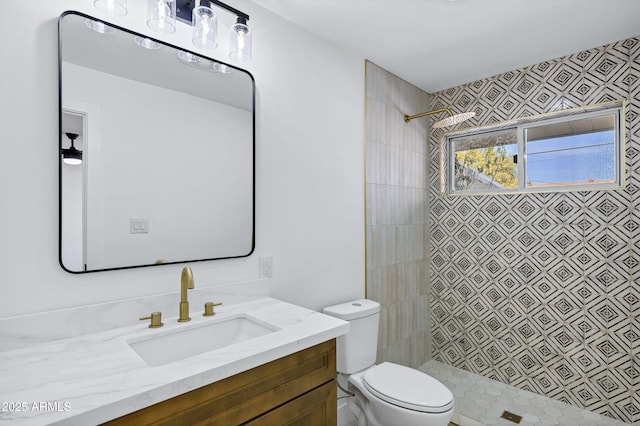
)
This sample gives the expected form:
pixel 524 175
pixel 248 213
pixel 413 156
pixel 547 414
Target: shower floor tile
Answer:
pixel 481 401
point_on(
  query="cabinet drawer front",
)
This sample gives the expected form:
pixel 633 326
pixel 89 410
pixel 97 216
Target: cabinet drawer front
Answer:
pixel 317 407
pixel 240 398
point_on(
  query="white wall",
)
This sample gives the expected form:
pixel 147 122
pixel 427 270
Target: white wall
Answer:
pixel 309 200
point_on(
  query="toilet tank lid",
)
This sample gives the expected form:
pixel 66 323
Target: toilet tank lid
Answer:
pixel 352 310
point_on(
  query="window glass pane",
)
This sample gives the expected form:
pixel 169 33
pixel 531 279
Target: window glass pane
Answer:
pixel 485 162
pixel 576 152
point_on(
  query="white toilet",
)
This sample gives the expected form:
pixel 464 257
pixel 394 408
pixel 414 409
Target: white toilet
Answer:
pixel 386 394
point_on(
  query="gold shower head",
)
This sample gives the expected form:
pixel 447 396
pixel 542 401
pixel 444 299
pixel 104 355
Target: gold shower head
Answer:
pixel 449 121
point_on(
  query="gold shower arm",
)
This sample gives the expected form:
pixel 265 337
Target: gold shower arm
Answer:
pixel 408 118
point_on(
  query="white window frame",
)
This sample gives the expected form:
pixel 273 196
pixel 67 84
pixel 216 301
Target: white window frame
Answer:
pixel 615 108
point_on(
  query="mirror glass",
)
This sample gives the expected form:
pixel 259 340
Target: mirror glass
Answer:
pixel 167 151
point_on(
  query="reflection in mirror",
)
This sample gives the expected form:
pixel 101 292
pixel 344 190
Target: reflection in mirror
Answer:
pixel 167 147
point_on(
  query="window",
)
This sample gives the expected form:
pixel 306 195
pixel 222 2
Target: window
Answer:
pixel 575 149
pixel 486 162
pixel 572 152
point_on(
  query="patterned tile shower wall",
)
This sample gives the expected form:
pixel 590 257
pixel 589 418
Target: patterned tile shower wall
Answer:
pixel 396 178
pixel 542 291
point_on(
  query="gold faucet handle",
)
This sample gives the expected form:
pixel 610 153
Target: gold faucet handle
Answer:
pixel 156 319
pixel 208 309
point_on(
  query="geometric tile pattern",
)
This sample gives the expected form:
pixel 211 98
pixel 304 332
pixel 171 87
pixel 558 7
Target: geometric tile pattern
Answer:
pixel 542 291
pixel 480 402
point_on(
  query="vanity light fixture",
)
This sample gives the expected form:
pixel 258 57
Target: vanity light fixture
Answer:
pixel 449 121
pixel 112 7
pixel 199 14
pixel 72 155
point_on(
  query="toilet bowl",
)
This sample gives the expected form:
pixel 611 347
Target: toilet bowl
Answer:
pixel 387 394
pixel 397 395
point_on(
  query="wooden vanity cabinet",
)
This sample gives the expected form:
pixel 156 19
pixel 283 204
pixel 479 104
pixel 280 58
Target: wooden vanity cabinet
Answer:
pixel 298 389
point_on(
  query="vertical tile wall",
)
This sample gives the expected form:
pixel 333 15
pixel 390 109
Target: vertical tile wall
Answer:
pixel 542 291
pixel 396 180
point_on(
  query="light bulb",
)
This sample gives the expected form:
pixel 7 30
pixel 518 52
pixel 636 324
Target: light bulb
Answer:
pixel 162 13
pixel 241 40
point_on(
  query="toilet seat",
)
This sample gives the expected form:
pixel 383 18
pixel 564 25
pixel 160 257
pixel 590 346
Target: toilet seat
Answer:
pixel 408 388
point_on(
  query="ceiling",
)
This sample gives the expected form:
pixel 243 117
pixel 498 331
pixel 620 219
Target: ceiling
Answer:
pixel 438 44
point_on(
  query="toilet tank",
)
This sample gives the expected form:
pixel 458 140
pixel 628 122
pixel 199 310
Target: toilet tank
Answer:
pixel 357 349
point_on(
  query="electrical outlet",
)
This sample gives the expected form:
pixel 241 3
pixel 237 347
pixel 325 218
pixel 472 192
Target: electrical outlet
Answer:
pixel 139 225
pixel 266 266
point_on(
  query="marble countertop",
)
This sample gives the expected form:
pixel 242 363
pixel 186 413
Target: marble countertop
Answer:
pixel 96 377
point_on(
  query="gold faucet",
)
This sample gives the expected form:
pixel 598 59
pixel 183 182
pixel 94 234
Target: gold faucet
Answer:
pixel 186 282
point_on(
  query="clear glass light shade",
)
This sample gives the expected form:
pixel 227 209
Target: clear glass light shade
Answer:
pixel 205 27
pixel 205 63
pixel 99 27
pixel 188 57
pixel 147 43
pixel 222 68
pixel 240 43
pixel 161 16
pixel 112 7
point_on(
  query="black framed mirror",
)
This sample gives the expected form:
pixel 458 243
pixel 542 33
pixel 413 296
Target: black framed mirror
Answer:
pixel 164 146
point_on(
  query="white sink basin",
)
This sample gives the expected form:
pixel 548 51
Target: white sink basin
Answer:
pixel 187 342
